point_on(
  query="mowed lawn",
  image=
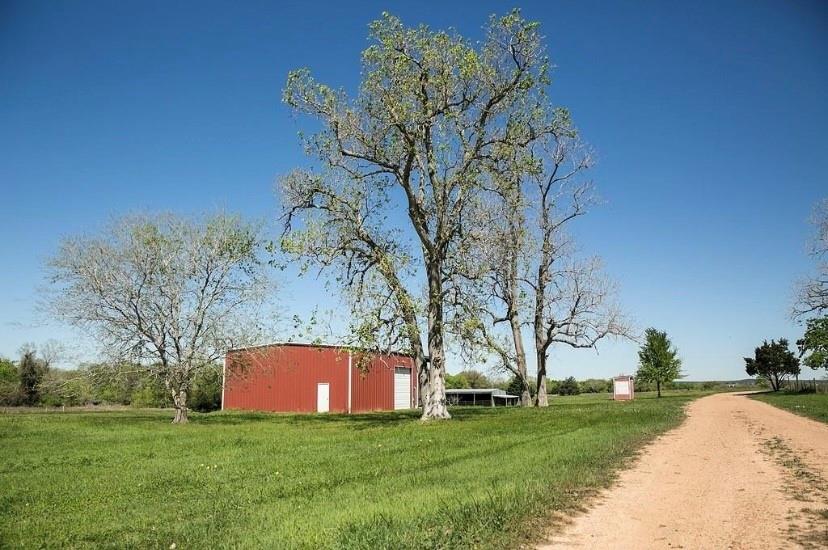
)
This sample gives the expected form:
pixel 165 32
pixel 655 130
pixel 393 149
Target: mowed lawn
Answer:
pixel 812 405
pixel 130 479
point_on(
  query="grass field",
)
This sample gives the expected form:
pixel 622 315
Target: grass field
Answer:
pixel 130 479
pixel 812 405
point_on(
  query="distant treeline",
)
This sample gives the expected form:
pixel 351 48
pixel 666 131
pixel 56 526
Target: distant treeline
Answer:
pixel 571 386
pixel 31 381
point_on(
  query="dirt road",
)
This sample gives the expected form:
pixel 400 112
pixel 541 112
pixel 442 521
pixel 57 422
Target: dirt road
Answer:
pixel 738 473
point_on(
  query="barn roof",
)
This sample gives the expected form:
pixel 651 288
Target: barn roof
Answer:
pixel 314 345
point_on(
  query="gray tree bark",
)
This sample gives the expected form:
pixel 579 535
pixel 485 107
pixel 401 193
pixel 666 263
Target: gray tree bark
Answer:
pixel 180 402
pixel 520 363
pixel 435 406
pixel 541 399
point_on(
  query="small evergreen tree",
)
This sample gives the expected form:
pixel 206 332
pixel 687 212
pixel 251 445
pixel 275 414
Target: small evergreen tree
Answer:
pixel 515 386
pixel 658 360
pixel 30 371
pixel 569 386
pixel 773 361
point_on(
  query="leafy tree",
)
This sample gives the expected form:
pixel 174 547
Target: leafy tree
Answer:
pixel 165 293
pixel 151 393
pixel 515 385
pixel 658 360
pixel 456 381
pixel 814 344
pixel 9 383
pixel 476 379
pixel 31 371
pixel 434 111
pixel 569 386
pixel 65 387
pixel 206 392
pixel 774 362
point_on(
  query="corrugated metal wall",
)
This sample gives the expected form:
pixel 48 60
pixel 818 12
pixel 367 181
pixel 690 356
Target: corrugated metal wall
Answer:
pixel 373 390
pixel 284 378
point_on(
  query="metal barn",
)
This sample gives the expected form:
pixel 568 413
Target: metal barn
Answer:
pixel 316 378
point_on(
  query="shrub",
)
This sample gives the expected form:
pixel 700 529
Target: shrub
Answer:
pixel 514 387
pixel 596 385
pixel 150 396
pixel 569 386
pixel 205 393
pixel 65 387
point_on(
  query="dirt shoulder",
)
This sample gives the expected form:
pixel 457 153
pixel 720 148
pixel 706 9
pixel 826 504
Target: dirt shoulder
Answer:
pixel 738 473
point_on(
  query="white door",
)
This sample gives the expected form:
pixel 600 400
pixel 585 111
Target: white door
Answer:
pixel 323 393
pixel 402 388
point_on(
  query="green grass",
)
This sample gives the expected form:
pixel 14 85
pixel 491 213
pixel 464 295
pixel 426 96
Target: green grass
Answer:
pixel 812 405
pixel 131 480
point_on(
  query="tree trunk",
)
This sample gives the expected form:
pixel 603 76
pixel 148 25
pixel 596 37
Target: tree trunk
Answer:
pixel 525 395
pixel 541 399
pixel 658 388
pixel 434 406
pixel 520 355
pixel 421 365
pixel 180 401
pixel 434 402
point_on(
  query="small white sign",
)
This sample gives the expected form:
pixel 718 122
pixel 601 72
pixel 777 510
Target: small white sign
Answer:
pixel 622 387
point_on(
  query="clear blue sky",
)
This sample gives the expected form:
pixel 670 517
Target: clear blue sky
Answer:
pixel 708 118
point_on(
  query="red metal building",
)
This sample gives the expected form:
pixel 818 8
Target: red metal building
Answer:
pixel 316 378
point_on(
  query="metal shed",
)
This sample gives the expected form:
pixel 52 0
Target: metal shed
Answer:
pixel 623 388
pixel 291 377
pixel 492 397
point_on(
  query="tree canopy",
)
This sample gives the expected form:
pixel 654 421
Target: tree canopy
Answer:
pixel 169 293
pixel 401 167
pixel 658 360
pixel 774 362
pixel 814 344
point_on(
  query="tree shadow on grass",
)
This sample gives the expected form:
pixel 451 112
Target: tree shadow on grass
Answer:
pixel 358 421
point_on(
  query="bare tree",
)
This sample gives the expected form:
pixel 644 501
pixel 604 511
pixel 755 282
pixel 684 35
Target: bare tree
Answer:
pixel 168 293
pixel 574 302
pixel 530 274
pixel 488 292
pixel 812 293
pixel 406 158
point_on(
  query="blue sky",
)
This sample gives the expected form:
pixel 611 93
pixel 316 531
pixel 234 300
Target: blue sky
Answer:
pixel 708 119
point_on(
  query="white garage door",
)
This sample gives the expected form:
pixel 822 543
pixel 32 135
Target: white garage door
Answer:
pixel 402 388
